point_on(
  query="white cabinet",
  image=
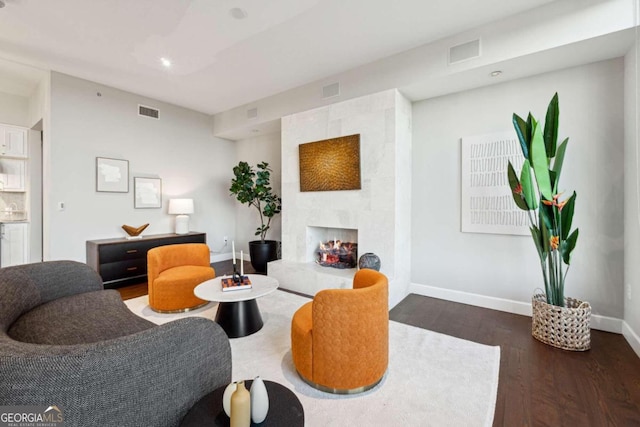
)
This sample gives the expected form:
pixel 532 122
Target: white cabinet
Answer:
pixel 13 244
pixel 13 158
pixel 13 141
pixel 12 174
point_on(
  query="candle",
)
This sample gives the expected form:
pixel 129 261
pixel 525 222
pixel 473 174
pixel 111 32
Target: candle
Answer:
pixel 233 250
pixel 241 265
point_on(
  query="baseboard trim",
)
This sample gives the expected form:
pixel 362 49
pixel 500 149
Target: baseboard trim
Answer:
pixel 632 338
pixel 225 256
pixel 220 257
pixel 602 323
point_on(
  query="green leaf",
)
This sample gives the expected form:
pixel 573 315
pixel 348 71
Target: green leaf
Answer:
pixel 537 239
pixel 527 186
pixel 546 217
pixel 530 124
pixel 551 127
pixel 514 184
pixel 557 163
pixel 553 181
pixel 568 246
pixel 566 214
pixel 544 236
pixel 523 134
pixel 540 163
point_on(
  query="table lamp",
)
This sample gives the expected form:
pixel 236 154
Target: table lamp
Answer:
pixel 181 207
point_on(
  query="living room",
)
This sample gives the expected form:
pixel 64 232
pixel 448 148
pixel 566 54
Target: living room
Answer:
pixel 586 52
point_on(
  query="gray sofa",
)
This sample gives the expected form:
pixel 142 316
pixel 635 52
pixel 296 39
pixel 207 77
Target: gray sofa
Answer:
pixel 66 341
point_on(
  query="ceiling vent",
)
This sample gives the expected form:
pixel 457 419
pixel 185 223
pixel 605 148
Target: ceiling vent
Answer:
pixel 464 51
pixel 331 90
pixel 145 111
pixel 252 113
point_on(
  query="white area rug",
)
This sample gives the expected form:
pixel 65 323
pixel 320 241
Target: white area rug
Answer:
pixel 432 380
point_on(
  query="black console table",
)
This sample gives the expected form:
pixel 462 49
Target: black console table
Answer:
pixel 122 261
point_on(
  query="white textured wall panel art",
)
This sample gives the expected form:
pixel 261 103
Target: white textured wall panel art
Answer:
pixel 487 205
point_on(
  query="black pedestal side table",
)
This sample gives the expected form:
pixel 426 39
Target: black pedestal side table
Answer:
pixel 285 410
pixel 238 311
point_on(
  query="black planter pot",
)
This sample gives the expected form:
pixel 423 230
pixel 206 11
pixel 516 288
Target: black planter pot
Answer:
pixel 261 253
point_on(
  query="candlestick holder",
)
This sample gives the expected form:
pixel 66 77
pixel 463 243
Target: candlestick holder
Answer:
pixel 236 276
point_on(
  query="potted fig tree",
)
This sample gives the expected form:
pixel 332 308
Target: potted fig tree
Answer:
pixel 557 320
pixel 253 188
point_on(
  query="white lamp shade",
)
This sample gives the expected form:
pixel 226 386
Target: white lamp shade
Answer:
pixel 180 206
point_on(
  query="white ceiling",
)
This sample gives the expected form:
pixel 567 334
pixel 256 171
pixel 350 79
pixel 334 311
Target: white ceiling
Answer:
pixel 220 62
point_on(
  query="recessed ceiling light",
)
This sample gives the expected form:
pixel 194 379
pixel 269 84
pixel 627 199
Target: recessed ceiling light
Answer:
pixel 166 62
pixel 1 4
pixel 495 73
pixel 238 13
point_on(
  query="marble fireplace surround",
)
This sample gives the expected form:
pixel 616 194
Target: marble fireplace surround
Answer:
pixel 377 215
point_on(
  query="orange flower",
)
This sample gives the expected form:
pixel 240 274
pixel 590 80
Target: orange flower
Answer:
pixel 518 189
pixel 554 241
pixel 555 202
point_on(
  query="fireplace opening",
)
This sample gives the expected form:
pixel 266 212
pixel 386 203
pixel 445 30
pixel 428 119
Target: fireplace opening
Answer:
pixel 337 254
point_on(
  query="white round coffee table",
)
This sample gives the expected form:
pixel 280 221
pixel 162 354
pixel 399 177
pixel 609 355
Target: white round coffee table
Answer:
pixel 238 311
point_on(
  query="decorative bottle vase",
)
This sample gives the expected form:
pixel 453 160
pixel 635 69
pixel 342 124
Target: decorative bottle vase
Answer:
pixel 259 401
pixel 241 407
pixel 226 398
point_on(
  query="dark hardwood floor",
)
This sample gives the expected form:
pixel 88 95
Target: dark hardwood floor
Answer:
pixel 539 385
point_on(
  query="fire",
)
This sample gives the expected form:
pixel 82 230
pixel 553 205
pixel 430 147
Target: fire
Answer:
pixel 338 254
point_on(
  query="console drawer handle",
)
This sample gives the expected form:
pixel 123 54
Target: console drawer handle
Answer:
pixel 132 268
pixel 132 251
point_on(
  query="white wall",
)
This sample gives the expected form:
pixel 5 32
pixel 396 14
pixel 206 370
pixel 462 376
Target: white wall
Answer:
pixel 179 148
pixel 263 148
pixel 501 266
pixel 34 169
pixel 632 202
pixel 14 109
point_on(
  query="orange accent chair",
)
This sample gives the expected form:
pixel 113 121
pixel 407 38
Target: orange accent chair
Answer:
pixel 340 340
pixel 173 271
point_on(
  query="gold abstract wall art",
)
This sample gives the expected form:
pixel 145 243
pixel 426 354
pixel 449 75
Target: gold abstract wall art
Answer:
pixel 331 164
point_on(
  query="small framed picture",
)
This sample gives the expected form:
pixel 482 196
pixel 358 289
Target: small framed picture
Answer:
pixel 112 175
pixel 147 193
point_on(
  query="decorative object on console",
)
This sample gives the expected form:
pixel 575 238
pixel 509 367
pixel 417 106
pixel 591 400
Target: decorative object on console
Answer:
pixel 369 260
pixel 550 228
pixel 259 401
pixel 330 165
pixel 112 175
pixel 254 189
pixel 134 233
pixel 147 193
pixel 240 406
pixel 181 208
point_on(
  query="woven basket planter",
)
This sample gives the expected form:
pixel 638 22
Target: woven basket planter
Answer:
pixel 568 328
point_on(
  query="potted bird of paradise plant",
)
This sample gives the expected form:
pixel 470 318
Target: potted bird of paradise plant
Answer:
pixel 557 320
